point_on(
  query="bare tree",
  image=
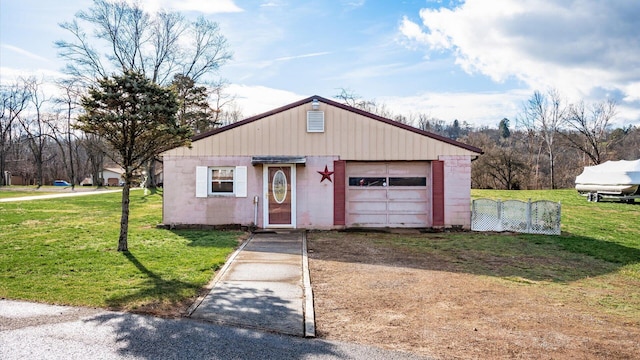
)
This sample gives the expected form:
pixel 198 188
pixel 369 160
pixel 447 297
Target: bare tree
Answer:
pixel 62 128
pixel 543 115
pixel 157 45
pixel 35 127
pixel 231 113
pixel 225 108
pixel 13 100
pixel 96 150
pixel 503 165
pixel 350 98
pixel 592 123
pixel 432 124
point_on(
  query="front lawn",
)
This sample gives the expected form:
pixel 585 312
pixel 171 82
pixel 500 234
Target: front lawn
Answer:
pixel 63 251
pixel 472 295
pixel 606 230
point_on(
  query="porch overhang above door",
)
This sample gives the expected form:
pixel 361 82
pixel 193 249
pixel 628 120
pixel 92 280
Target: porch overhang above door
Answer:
pixel 258 160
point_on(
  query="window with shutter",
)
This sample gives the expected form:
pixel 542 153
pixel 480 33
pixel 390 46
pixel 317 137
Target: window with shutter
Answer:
pixel 221 180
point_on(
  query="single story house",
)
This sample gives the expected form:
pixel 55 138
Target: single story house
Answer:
pixel 319 164
pixel 112 176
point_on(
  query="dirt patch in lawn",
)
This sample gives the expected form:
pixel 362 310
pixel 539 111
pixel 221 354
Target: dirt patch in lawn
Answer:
pixel 372 289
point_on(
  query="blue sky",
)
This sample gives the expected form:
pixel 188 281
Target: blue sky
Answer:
pixel 474 60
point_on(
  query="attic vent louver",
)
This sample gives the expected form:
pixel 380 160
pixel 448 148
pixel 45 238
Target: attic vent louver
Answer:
pixel 315 121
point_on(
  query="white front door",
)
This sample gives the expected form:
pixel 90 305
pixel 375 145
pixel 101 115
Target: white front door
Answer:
pixel 279 194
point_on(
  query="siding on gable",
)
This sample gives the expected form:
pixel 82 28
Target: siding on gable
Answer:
pixel 349 135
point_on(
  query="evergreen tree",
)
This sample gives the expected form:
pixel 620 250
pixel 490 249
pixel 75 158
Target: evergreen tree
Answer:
pixel 137 118
pixel 194 109
pixel 503 126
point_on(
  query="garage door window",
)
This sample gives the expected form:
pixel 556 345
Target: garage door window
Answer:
pixel 407 181
pixel 367 181
pixel 391 181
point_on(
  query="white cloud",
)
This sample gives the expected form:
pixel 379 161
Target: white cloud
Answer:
pixel 413 32
pixel 480 109
pixel 575 47
pixel 11 75
pixel 270 4
pixel 287 58
pixel 24 52
pixel 206 7
pixel 254 100
pixel 353 4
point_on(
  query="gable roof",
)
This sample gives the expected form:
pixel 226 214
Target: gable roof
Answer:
pixel 344 107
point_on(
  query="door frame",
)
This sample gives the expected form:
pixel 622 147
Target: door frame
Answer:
pixel 265 196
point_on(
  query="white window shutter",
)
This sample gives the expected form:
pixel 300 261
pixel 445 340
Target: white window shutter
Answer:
pixel 202 178
pixel 241 181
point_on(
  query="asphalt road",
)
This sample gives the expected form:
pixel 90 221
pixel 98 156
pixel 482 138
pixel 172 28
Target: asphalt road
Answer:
pixel 37 331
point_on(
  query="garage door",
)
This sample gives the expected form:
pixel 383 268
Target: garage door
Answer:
pixel 389 194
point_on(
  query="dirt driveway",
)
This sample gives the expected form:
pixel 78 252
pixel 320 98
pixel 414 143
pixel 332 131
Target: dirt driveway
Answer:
pixel 372 291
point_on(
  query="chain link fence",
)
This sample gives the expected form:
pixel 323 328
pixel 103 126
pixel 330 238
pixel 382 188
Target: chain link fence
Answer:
pixel 538 217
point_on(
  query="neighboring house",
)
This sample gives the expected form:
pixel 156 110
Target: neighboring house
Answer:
pixel 319 164
pixel 112 176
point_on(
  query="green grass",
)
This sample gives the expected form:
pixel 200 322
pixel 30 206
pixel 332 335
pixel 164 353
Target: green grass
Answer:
pixel 608 230
pixel 64 251
pixel 19 191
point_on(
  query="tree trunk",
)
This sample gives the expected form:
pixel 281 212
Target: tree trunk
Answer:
pixel 72 170
pixel 150 182
pixel 552 166
pixel 39 172
pixel 2 168
pixel 124 219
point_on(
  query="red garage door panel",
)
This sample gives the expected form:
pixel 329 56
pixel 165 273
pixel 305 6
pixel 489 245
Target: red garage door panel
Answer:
pixel 438 193
pixel 388 194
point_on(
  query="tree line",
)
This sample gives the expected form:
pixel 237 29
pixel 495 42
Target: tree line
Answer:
pixel 40 140
pixel 545 147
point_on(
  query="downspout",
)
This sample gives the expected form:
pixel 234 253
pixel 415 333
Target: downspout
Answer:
pixel 256 200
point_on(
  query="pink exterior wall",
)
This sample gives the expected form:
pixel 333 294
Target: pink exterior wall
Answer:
pixel 180 205
pixel 314 199
pixel 457 191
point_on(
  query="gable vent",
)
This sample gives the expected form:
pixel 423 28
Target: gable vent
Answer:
pixel 315 121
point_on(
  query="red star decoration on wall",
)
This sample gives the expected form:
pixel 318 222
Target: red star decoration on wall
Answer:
pixel 326 174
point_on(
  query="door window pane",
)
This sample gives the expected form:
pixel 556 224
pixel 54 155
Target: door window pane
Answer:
pixel 367 181
pixel 407 181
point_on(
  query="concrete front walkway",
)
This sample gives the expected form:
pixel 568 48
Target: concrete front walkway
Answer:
pixel 264 285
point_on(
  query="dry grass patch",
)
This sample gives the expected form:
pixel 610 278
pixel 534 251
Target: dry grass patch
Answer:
pixel 465 295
